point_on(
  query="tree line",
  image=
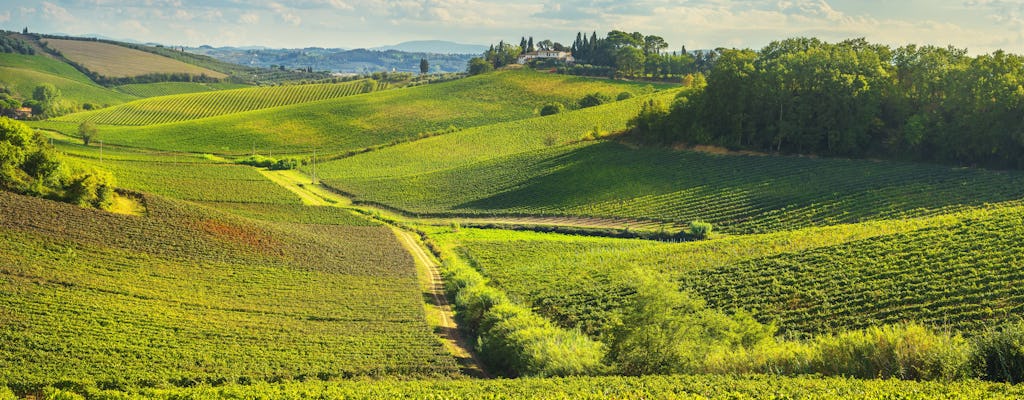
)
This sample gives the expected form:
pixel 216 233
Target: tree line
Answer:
pixel 619 55
pixel 853 99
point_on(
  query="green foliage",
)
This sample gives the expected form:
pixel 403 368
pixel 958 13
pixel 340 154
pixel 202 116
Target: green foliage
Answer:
pixel 90 189
pixel 700 230
pixel 271 163
pixel 87 131
pixel 552 109
pixel 858 99
pixel 479 65
pixel 624 96
pixel 512 340
pixel 594 99
pixel 999 353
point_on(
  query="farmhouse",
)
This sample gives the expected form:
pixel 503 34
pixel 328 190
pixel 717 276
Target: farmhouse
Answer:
pixel 22 113
pixel 546 54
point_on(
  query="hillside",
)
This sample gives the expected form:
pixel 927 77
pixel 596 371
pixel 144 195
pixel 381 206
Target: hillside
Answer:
pixel 113 61
pixel 510 170
pixel 23 73
pixel 952 271
pixel 90 289
pixel 189 106
pixel 356 122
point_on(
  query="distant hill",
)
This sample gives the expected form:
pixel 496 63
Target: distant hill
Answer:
pixel 435 46
pixel 336 60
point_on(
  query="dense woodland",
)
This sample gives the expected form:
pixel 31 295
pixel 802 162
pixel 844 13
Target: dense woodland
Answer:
pixel 853 99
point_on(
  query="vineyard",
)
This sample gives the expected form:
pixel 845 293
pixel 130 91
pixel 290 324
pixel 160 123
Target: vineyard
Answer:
pixel 737 193
pixel 358 122
pixel 22 74
pixel 965 277
pixel 188 106
pixel 112 61
pixel 171 88
pixel 647 387
pixel 582 281
pixel 84 290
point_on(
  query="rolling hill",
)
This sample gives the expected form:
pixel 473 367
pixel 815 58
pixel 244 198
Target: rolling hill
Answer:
pixel 113 61
pixel 23 73
pixel 356 122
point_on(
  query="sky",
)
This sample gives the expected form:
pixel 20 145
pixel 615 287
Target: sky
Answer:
pixel 981 26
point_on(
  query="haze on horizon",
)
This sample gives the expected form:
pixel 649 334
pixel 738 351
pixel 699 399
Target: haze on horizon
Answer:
pixel 981 26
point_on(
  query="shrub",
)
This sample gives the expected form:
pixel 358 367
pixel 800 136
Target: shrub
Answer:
pixel 517 342
pixel 624 96
pixel 700 230
pixel 999 353
pixel 892 351
pixel 95 189
pixel 552 108
pixel 594 99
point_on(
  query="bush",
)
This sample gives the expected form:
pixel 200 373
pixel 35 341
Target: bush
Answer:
pixel 892 351
pixel 624 96
pixel 700 230
pixel 6 393
pixel 594 99
pixel 999 353
pixel 94 189
pixel 552 108
pixel 517 342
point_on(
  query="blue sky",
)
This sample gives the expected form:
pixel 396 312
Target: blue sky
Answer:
pixel 979 25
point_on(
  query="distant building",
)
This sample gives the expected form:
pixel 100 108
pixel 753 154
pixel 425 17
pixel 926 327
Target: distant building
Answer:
pixel 547 54
pixel 22 113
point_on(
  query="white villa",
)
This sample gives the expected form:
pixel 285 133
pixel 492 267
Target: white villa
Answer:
pixel 558 55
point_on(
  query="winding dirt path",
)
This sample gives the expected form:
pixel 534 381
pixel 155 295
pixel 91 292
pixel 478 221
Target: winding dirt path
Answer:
pixel 439 313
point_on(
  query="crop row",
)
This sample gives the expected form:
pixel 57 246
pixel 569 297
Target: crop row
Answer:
pixel 616 387
pixel 182 107
pixel 737 194
pixel 190 294
pixel 964 277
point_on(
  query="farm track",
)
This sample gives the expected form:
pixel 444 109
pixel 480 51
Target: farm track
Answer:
pixel 439 310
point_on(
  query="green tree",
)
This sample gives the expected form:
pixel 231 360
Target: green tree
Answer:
pixel 424 66
pixel 629 60
pixel 87 130
pixel 552 108
pixel 479 65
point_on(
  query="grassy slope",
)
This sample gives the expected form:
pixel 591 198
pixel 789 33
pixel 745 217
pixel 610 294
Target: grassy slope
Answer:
pixel 170 88
pixel 23 73
pixel 189 106
pixel 370 119
pixel 114 61
pixel 189 294
pixel 958 270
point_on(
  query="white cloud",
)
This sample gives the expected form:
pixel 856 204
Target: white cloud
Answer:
pixel 134 27
pixel 6 16
pixel 286 14
pixel 249 18
pixel 56 13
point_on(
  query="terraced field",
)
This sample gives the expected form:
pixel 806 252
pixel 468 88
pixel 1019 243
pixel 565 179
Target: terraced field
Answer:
pixel 184 107
pixel 738 194
pixel 113 61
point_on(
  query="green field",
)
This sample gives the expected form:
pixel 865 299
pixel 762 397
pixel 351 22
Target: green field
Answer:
pixel 356 122
pixel 187 294
pixel 189 106
pixel 23 73
pixel 113 61
pixel 170 88
pixel 647 387
pixel 736 193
